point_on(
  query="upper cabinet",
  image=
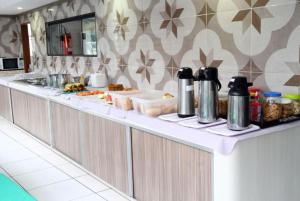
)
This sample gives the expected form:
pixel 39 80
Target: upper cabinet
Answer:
pixel 75 36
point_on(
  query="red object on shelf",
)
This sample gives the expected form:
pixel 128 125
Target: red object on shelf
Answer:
pixel 255 104
pixel 254 92
pixel 67 41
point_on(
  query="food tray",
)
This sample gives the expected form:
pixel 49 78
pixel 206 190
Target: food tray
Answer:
pixel 265 124
pixel 123 99
pixel 151 103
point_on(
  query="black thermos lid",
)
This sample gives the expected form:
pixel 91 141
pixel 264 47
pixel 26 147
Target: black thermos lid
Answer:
pixel 185 73
pixel 211 73
pixel 239 86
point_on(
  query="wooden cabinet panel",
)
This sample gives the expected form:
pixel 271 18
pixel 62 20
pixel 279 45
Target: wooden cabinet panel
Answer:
pixel 20 109
pixel 66 130
pixel 164 170
pixel 105 154
pixel 39 124
pixel 5 106
pixel 31 113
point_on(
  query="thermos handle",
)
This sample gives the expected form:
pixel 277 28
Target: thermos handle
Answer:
pixel 219 85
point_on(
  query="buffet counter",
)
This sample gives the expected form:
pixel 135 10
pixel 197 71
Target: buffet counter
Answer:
pixel 151 159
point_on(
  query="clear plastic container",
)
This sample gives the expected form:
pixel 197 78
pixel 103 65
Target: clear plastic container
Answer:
pixel 295 98
pixel 123 99
pixel 153 103
pixel 272 107
pixel 287 108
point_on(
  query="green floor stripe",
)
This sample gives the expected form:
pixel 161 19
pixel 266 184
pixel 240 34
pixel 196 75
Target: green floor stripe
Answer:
pixel 10 191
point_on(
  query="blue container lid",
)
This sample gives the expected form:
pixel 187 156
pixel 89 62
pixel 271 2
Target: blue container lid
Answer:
pixel 272 94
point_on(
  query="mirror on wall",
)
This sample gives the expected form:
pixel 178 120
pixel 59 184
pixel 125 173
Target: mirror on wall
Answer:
pixel 74 36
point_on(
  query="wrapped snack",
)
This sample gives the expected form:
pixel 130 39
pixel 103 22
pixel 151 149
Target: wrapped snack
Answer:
pixel 295 98
pixel 287 108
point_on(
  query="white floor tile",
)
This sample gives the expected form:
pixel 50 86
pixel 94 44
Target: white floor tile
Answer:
pixel 41 150
pixel 26 166
pixel 30 143
pixel 14 132
pixel 54 159
pixel 16 155
pixel 94 197
pixel 111 195
pixel 63 191
pixel 47 183
pixel 72 170
pixel 92 183
pixel 41 178
pixel 8 144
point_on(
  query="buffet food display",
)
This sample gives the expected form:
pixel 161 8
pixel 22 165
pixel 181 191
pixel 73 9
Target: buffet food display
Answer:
pixel 155 103
pixel 264 109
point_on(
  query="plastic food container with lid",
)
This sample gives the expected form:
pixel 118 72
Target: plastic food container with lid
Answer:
pixel 153 103
pixel 123 99
pixel 272 106
pixel 295 98
pixel 287 108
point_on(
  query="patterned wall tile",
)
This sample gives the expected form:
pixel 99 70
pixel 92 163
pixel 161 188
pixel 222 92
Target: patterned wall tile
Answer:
pixel 215 6
pixel 145 63
pixel 142 43
pixel 10 38
pixel 275 36
pixel 232 38
pixel 123 13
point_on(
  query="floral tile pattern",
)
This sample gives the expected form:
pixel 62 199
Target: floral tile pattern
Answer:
pixel 143 43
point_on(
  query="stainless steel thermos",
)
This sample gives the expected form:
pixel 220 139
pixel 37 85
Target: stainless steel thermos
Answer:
pixel 209 85
pixel 186 100
pixel 238 104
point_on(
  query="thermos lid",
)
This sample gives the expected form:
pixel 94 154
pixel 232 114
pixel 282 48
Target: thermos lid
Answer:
pixel 185 73
pixel 239 86
pixel 211 73
pixel 208 74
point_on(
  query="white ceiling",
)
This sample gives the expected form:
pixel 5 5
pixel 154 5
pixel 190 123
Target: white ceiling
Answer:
pixel 9 7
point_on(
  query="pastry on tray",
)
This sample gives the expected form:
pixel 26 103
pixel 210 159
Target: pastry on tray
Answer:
pixel 115 87
pixel 167 96
pixel 74 87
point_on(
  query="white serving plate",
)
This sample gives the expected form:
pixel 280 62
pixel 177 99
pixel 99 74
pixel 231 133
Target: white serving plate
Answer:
pixel 193 123
pixel 225 131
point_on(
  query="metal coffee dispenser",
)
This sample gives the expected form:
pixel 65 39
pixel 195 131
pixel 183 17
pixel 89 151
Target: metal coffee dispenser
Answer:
pixel 186 100
pixel 209 85
pixel 238 104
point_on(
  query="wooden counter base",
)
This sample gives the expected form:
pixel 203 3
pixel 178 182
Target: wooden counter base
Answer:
pixel 164 170
pixel 5 103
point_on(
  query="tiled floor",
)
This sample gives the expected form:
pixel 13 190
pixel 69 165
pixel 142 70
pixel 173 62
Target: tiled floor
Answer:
pixel 46 174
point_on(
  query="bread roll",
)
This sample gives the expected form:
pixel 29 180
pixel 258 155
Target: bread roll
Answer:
pixel 153 112
pixel 167 109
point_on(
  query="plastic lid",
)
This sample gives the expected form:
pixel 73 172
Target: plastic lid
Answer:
pixel 292 96
pixel 185 73
pixel 272 94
